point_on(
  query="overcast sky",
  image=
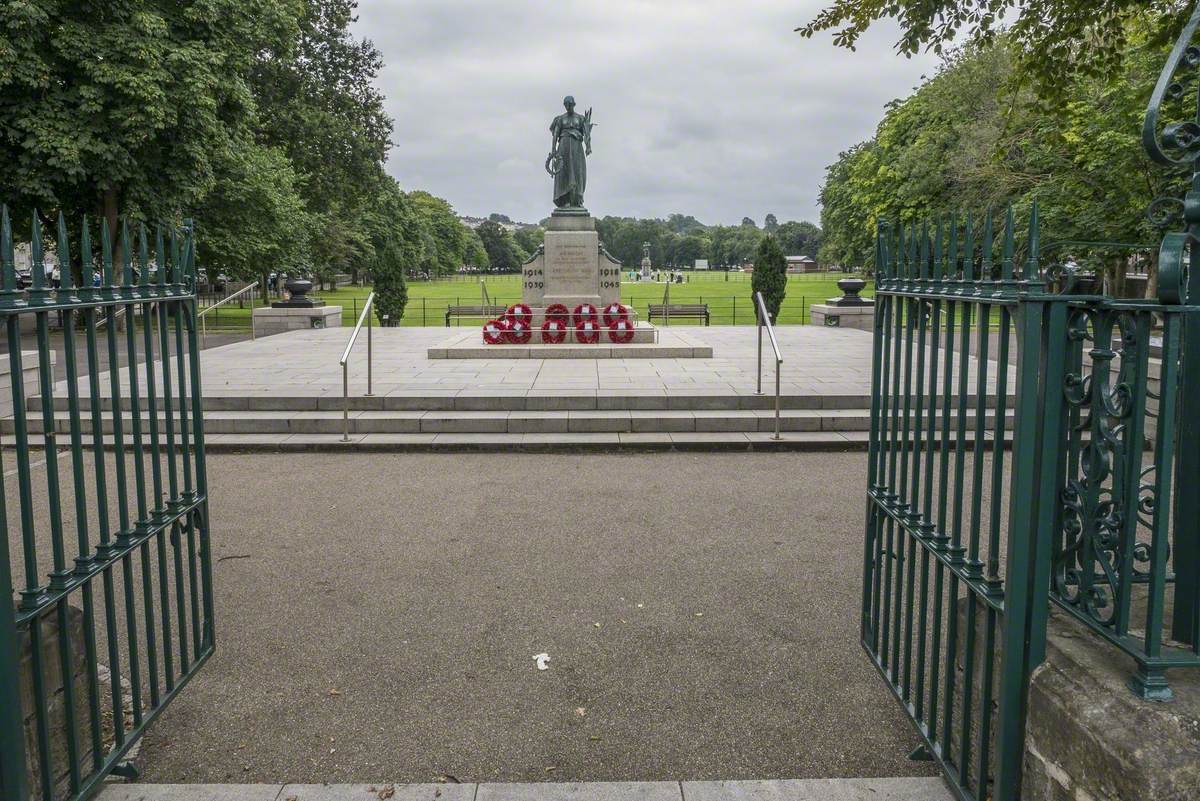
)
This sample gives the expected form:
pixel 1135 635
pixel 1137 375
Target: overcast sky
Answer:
pixel 713 108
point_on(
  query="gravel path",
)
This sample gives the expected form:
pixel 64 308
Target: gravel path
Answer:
pixel 378 618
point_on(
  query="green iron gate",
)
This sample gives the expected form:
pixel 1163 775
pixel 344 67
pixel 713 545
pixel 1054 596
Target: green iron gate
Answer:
pixel 105 575
pixel 968 540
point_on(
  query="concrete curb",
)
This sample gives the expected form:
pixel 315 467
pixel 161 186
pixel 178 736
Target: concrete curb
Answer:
pixel 886 789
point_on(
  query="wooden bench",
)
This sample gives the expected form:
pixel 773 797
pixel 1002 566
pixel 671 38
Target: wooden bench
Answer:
pixel 476 312
pixel 687 311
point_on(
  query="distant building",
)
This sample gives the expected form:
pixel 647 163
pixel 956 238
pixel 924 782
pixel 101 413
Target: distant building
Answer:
pixel 802 264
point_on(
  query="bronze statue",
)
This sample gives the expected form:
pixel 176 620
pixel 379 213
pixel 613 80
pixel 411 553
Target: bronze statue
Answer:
pixel 570 144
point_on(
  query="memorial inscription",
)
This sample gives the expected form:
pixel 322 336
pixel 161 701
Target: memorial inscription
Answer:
pixel 570 266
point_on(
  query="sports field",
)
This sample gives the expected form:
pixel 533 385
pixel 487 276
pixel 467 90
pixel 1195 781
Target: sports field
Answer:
pixel 729 301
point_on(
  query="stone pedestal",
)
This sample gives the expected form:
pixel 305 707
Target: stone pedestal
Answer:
pixel 861 317
pixel 30 377
pixel 273 320
pixel 1089 737
pixel 571 267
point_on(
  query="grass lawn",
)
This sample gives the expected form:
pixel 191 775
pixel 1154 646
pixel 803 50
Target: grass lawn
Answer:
pixel 728 300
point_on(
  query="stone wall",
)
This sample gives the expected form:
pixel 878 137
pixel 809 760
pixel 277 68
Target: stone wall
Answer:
pixel 56 717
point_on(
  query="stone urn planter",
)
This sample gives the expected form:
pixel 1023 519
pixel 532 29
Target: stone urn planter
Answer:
pixel 298 289
pixel 850 288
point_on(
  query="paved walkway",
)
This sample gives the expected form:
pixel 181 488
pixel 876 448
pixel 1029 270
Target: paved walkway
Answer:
pixel 378 617
pixel 901 789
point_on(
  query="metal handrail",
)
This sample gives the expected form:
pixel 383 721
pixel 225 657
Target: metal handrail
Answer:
pixel 104 320
pixel 765 319
pixel 345 361
pixel 222 302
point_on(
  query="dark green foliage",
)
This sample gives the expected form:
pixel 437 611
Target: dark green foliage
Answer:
pixel 679 241
pixel 391 290
pixel 770 275
pixel 128 105
pixel 799 238
pixel 975 136
pixel 504 254
pixel 254 217
pixel 530 239
pixel 447 237
pixel 396 245
pixel 1057 41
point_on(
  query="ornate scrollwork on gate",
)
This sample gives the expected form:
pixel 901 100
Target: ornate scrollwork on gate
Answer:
pixel 1096 515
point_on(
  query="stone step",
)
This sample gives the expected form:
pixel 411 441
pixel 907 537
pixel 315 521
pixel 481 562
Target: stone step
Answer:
pixel 882 789
pixel 501 400
pixel 817 441
pixel 543 422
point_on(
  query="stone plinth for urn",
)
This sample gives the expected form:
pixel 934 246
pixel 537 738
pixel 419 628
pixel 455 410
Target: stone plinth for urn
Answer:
pixel 298 312
pixel 849 311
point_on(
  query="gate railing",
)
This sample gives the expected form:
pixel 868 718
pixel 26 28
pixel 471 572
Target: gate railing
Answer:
pixel 968 539
pixel 945 613
pixel 105 573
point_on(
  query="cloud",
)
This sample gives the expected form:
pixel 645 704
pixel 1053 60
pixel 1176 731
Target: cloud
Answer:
pixel 711 108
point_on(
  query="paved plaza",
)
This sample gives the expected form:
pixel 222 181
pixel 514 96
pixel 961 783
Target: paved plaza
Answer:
pixel 285 393
pixel 817 361
pixel 378 618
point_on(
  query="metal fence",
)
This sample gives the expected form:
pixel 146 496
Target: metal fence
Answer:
pixel 967 540
pixel 105 575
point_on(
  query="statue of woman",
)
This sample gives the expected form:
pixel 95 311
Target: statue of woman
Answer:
pixel 570 144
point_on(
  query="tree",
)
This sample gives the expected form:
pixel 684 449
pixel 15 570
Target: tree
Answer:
pixel 974 137
pixel 689 248
pixel 504 254
pixel 770 275
pixel 446 231
pixel 396 244
pixel 770 223
pixel 391 290
pixel 128 106
pixel 1057 40
pixel 799 238
pixel 318 103
pixel 749 223
pixel 530 239
pixel 496 217
pixel 682 224
pixel 254 220
pixel 475 254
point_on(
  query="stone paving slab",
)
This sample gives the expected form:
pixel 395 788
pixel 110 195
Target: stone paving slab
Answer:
pixel 190 792
pixel 885 789
pixel 901 789
pixel 376 792
pixel 585 791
